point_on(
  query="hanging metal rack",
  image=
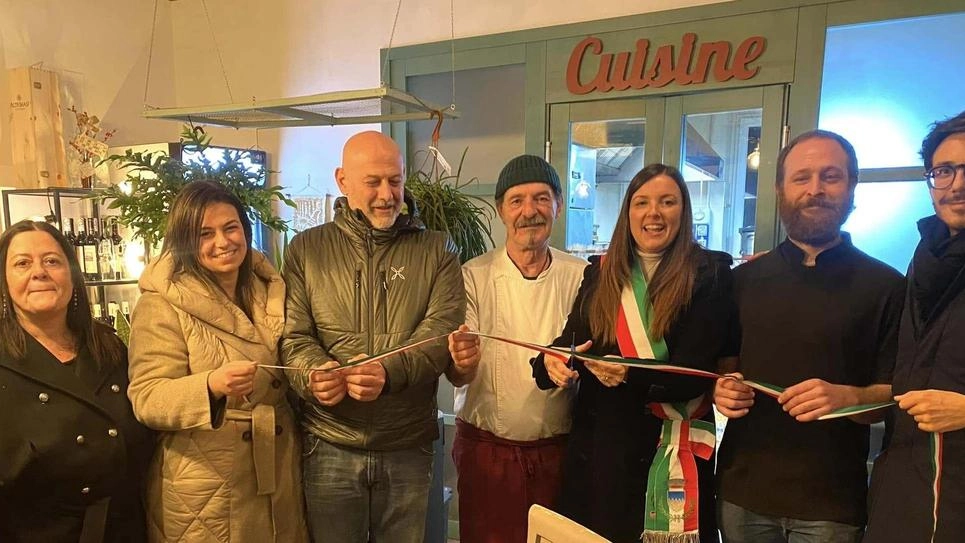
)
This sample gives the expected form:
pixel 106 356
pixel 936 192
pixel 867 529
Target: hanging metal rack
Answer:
pixel 360 106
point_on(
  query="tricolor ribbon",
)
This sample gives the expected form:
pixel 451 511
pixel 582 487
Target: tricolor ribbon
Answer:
pixel 367 360
pixel 564 355
pixel 937 446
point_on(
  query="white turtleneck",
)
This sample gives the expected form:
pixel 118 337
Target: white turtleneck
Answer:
pixel 650 261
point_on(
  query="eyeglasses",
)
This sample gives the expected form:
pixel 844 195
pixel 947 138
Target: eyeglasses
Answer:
pixel 942 177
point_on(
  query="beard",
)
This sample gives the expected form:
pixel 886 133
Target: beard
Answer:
pixel 814 229
pixel 381 222
pixel 532 239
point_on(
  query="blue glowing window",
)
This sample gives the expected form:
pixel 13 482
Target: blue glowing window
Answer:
pixel 884 221
pixel 884 83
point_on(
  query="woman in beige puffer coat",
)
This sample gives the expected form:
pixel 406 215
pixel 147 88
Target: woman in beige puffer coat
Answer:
pixel 227 468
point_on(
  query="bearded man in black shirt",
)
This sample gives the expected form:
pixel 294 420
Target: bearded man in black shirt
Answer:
pixel 819 317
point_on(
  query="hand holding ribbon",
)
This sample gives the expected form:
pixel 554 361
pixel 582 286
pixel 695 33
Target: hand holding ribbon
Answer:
pixel 566 377
pixel 732 397
pixel 560 369
pixel 610 374
pixel 464 350
pixel 364 382
pixel 812 399
pixel 326 385
pixel 934 410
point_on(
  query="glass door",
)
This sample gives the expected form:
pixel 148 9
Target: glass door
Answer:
pixel 725 144
pixel 604 144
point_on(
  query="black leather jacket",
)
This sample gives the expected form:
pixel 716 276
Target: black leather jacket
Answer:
pixel 355 289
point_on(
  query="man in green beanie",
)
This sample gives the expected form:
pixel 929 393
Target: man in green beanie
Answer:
pixel 510 436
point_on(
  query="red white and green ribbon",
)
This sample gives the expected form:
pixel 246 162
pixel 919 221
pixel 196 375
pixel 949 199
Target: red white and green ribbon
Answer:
pixel 564 354
pixel 937 450
pixel 673 494
pixel 367 360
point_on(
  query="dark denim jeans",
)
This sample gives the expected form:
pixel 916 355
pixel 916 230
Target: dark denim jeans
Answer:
pixel 738 525
pixel 357 496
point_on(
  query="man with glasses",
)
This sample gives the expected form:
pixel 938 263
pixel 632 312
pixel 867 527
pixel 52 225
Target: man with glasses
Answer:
pixel 819 317
pixel 918 484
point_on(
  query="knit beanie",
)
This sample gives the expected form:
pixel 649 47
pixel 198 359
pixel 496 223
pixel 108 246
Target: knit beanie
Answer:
pixel 527 169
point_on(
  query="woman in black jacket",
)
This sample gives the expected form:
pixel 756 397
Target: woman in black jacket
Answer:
pixel 72 456
pixel 655 294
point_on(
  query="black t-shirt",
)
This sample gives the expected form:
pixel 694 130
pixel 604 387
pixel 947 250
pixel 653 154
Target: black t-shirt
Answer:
pixel 835 321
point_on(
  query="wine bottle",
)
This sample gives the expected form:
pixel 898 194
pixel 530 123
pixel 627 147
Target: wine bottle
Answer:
pixel 95 311
pixel 112 309
pixel 93 237
pixel 119 245
pixel 105 253
pixel 72 239
pixel 90 251
pixel 69 231
pixel 126 310
pixel 81 248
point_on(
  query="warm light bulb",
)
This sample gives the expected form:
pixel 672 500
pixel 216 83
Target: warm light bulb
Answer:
pixel 754 158
pixel 134 259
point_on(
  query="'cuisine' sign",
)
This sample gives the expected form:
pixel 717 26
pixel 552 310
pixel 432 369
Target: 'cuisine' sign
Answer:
pixel 691 65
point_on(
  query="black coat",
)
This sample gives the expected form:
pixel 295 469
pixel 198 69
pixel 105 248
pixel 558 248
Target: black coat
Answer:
pixel 614 436
pixel 931 355
pixel 69 447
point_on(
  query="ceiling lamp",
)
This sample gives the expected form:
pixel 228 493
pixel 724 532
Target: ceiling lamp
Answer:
pixel 382 104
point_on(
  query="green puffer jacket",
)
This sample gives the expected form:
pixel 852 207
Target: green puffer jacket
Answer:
pixel 353 289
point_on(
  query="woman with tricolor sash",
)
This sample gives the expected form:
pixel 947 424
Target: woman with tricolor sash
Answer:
pixel 639 457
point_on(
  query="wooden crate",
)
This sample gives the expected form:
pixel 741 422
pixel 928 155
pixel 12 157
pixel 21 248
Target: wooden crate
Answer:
pixel 37 129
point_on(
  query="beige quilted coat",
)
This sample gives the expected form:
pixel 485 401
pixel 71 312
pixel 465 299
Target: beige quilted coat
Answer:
pixel 229 475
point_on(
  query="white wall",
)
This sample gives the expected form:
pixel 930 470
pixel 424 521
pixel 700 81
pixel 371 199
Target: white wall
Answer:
pixel 270 49
pixel 99 50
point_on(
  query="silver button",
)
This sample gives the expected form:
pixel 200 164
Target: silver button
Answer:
pixel 43 397
pixel 112 432
pixel 81 440
pixel 115 388
pixel 85 490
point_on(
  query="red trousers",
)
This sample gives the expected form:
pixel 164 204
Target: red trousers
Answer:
pixel 499 479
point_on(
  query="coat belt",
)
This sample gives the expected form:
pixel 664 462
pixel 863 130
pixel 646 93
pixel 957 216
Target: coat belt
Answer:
pixel 262 419
pixel 95 521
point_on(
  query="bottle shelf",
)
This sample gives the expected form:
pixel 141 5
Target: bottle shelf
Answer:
pixel 101 248
pixel 110 282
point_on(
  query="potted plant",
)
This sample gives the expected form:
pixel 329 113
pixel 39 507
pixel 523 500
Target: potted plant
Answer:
pixel 443 206
pixel 155 178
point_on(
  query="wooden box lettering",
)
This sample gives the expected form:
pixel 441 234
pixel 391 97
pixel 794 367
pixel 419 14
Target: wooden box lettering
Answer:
pixel 37 129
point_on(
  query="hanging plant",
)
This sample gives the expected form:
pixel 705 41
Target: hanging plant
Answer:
pixel 155 178
pixel 443 206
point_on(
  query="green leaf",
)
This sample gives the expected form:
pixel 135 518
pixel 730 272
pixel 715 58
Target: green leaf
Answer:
pixel 444 207
pixel 146 209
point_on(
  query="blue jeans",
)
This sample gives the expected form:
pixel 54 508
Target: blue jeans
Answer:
pixel 358 496
pixel 738 525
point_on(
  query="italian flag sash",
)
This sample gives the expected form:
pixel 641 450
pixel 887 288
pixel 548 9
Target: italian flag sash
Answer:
pixel 672 493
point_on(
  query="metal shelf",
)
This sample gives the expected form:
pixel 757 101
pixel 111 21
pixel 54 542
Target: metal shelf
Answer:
pixel 53 196
pixel 110 282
